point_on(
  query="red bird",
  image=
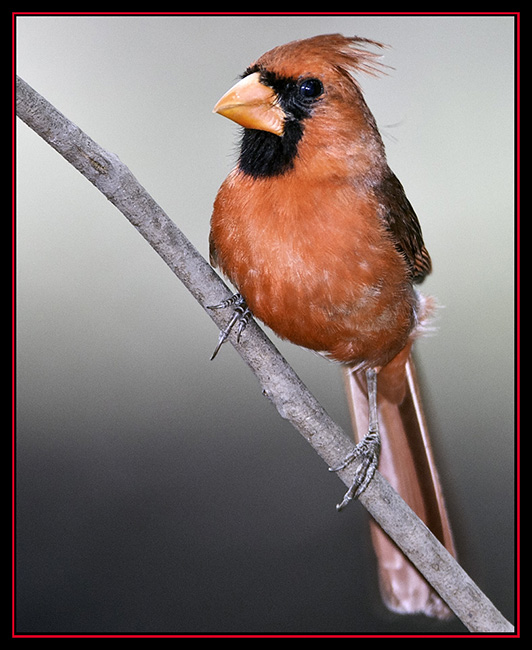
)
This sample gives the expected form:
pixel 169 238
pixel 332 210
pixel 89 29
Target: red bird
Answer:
pixel 317 235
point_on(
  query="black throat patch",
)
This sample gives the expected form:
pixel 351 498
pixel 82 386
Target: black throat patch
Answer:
pixel 265 154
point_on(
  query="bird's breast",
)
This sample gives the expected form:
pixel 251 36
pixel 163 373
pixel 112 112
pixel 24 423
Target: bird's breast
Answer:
pixel 314 264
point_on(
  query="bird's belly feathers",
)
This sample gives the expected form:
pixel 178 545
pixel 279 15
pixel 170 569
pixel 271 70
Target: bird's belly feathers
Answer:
pixel 309 275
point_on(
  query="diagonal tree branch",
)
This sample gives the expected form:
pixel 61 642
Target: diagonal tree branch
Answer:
pixel 277 379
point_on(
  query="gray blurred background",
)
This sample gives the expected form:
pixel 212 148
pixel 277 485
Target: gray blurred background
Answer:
pixel 159 492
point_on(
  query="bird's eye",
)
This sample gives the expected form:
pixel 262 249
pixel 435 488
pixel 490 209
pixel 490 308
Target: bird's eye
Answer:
pixel 310 88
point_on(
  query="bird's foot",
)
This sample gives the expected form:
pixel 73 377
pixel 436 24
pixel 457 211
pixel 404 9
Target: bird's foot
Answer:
pixel 242 315
pixel 367 454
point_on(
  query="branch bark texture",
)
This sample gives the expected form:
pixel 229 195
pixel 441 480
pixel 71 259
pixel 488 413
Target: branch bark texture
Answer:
pixel 277 379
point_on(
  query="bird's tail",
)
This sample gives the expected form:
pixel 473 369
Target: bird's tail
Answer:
pixel 407 462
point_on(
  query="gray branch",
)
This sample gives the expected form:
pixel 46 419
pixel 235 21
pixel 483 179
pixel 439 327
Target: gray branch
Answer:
pixel 277 379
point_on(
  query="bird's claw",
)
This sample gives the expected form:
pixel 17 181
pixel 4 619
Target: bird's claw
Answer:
pixel 367 453
pixel 242 315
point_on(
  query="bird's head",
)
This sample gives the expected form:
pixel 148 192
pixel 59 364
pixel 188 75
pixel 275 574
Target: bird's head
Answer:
pixel 299 95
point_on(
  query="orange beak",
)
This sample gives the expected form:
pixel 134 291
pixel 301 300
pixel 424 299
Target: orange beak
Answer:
pixel 252 105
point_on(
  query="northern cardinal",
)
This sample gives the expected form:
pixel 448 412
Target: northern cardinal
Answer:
pixel 317 235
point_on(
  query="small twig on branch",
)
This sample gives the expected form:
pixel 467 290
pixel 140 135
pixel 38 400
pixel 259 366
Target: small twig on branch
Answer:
pixel 277 379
